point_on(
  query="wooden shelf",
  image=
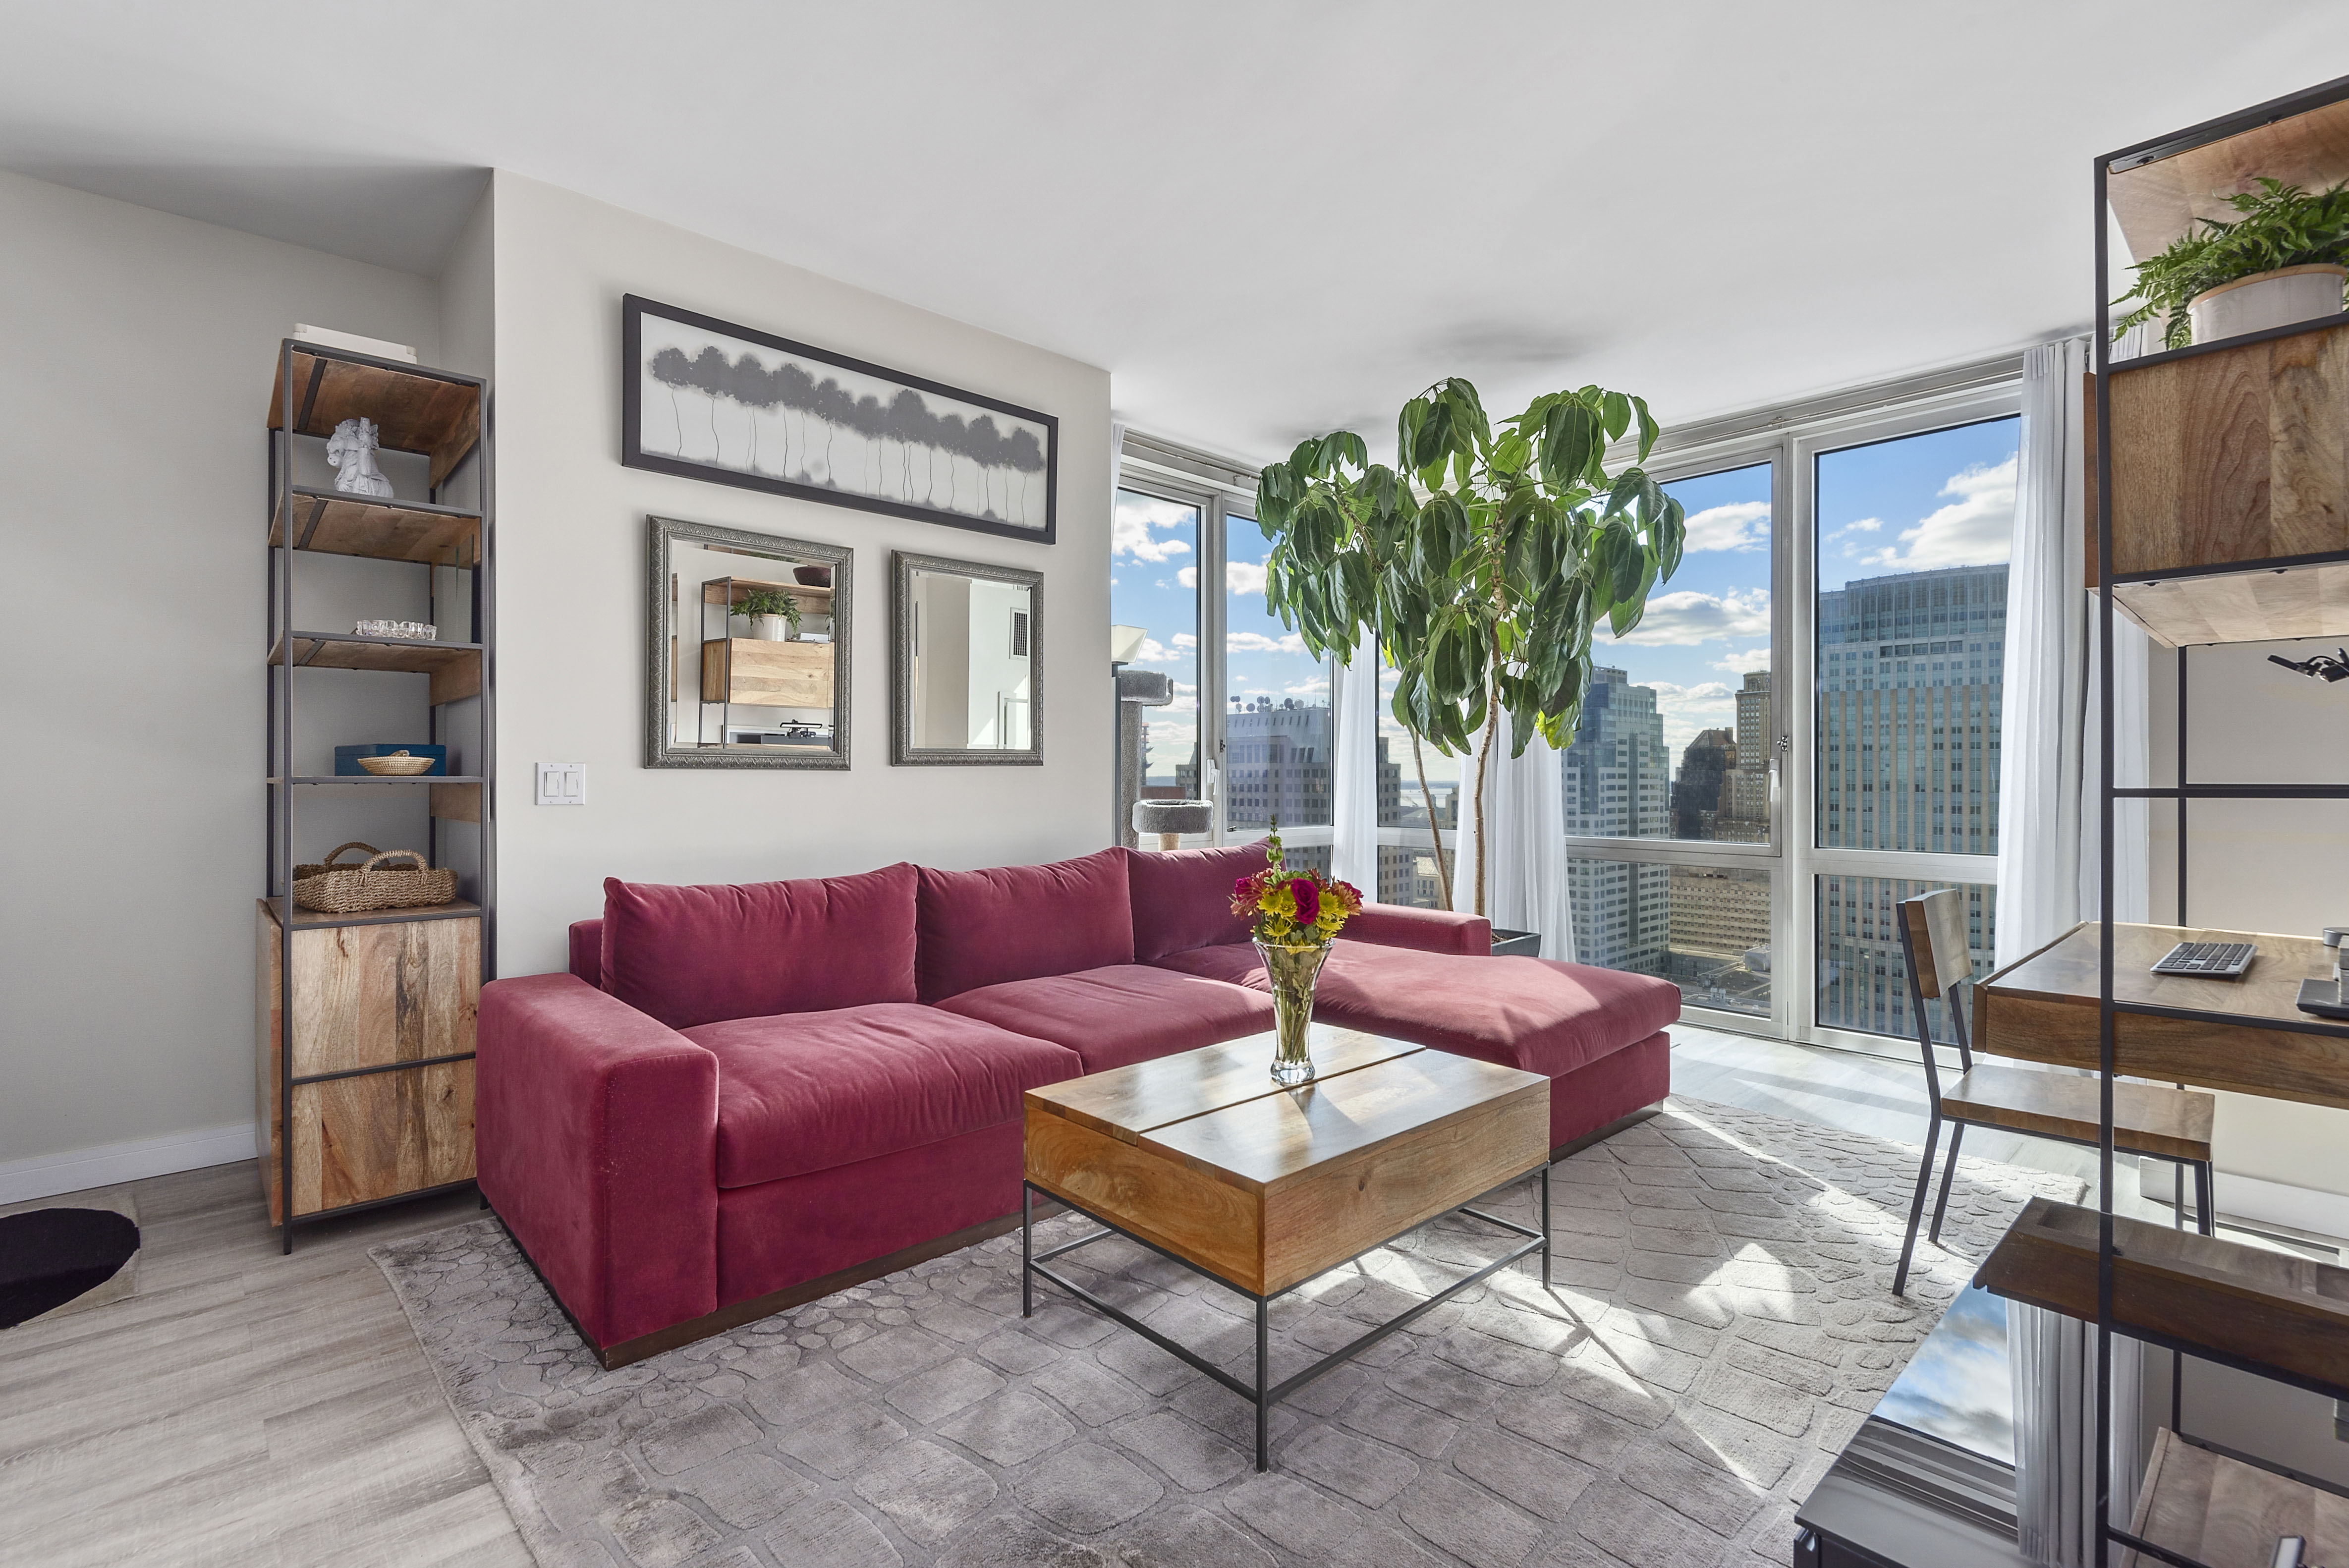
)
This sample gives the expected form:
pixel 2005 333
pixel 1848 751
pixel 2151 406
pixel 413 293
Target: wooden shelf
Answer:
pixel 306 919
pixel 729 591
pixel 366 779
pixel 2157 203
pixel 2217 1510
pixel 2246 1305
pixel 455 667
pixel 2266 605
pixel 380 529
pixel 414 410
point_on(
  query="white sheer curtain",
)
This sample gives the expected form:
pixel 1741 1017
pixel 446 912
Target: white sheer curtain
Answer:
pixel 1354 783
pixel 1116 464
pixel 1525 828
pixel 2047 820
pixel 2051 1368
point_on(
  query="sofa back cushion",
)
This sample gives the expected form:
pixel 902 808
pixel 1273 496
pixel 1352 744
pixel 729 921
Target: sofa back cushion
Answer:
pixel 1017 923
pixel 1183 898
pixel 692 956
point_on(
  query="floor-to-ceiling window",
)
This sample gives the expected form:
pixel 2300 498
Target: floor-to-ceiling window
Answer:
pixel 1911 538
pixel 1279 740
pixel 1676 747
pixel 1154 590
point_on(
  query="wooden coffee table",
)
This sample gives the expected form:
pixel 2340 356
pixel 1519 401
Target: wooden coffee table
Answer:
pixel 1202 1158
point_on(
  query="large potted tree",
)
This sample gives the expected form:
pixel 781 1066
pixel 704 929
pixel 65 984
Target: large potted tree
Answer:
pixel 1482 562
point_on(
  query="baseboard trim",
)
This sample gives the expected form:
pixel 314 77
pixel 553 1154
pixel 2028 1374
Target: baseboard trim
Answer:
pixel 2264 1201
pixel 106 1164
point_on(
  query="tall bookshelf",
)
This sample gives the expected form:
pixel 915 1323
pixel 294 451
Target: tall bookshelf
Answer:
pixel 364 1022
pixel 2219 505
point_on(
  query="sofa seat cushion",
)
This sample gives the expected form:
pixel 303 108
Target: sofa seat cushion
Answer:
pixel 1123 1014
pixel 807 1091
pixel 1536 1013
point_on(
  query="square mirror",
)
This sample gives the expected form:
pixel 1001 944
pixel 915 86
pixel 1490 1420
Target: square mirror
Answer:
pixel 967 654
pixel 748 662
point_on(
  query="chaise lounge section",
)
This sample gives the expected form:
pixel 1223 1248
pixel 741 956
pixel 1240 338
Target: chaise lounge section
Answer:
pixel 744 1097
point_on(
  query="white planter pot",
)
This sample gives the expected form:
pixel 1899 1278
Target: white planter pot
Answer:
pixel 2264 300
pixel 769 628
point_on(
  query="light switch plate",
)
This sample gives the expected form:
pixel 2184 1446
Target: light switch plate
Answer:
pixel 562 784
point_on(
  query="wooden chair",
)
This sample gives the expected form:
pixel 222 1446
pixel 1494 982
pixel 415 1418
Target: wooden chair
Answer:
pixel 2148 1118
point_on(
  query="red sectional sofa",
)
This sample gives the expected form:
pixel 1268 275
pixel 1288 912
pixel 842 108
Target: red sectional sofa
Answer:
pixel 744 1097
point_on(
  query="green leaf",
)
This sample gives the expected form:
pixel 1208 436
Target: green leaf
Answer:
pixel 1647 431
pixel 1618 409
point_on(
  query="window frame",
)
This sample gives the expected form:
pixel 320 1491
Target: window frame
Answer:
pixel 1791 438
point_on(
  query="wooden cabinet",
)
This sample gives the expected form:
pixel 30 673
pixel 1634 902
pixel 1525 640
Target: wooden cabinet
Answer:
pixel 768 675
pixel 2230 482
pixel 378 1106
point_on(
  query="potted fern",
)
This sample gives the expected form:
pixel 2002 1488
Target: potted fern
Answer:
pixel 2281 261
pixel 774 617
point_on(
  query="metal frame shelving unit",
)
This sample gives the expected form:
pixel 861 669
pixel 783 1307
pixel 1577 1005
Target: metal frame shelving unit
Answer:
pixel 403 532
pixel 2106 1533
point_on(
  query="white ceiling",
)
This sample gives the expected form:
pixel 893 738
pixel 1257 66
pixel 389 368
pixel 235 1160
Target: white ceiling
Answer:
pixel 1266 219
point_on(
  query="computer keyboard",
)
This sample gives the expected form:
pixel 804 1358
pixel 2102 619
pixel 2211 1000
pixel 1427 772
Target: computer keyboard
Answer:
pixel 2209 960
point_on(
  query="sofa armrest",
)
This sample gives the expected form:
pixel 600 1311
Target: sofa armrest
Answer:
pixel 595 1130
pixel 587 951
pixel 1429 930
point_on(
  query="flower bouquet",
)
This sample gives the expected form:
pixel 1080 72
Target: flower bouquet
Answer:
pixel 1295 914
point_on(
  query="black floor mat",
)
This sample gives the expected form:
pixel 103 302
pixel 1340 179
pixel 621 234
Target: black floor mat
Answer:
pixel 50 1256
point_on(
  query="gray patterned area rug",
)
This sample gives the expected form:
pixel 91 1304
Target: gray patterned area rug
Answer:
pixel 1719 1322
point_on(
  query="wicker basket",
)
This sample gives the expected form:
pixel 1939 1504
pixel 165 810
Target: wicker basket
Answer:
pixel 333 889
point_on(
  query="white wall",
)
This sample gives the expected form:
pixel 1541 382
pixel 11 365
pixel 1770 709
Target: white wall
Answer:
pixel 571 588
pixel 2260 865
pixel 136 354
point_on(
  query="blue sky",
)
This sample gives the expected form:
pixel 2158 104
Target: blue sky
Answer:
pixel 1944 499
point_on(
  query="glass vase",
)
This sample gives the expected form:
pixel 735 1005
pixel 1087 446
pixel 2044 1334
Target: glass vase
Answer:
pixel 1292 968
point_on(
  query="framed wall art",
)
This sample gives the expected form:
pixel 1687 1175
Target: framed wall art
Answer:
pixel 707 399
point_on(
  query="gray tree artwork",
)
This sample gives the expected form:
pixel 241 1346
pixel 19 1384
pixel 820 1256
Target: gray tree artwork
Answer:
pixel 760 411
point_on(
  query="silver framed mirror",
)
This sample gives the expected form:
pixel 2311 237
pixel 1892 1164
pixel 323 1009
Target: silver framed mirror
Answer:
pixel 966 663
pixel 748 662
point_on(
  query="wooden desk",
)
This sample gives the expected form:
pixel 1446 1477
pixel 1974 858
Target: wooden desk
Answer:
pixel 2043 1008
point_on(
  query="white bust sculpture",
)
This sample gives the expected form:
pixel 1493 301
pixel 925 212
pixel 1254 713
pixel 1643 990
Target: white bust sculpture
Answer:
pixel 351 451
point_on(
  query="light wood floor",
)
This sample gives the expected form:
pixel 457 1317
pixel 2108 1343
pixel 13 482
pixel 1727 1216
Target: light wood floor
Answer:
pixel 248 1409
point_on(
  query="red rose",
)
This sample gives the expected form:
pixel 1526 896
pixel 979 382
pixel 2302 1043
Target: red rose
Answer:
pixel 1308 899
pixel 1244 888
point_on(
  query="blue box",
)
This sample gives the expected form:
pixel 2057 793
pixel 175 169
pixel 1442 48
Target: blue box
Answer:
pixel 346 758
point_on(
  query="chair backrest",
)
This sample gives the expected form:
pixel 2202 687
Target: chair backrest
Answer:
pixel 1933 939
pixel 1936 923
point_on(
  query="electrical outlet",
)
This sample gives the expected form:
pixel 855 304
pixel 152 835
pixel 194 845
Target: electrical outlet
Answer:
pixel 562 784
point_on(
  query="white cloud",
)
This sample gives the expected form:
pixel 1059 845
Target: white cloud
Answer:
pixel 1739 525
pixel 1153 654
pixel 1703 692
pixel 1689 617
pixel 1239 576
pixel 1865 525
pixel 1257 643
pixel 1975 528
pixel 1186 640
pixel 1136 516
pixel 1744 663
pixel 1314 687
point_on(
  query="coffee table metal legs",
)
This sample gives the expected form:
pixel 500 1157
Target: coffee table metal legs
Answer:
pixel 1263 1370
pixel 1265 1394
